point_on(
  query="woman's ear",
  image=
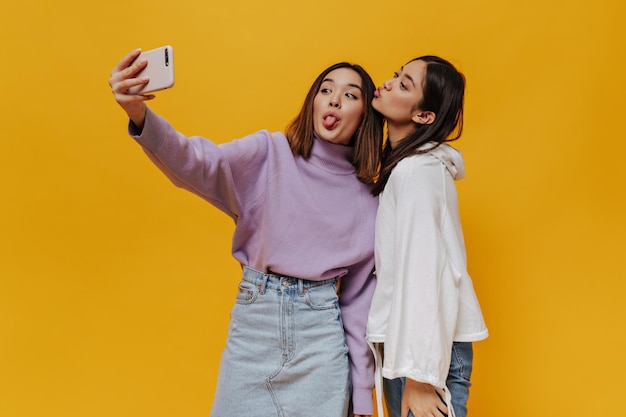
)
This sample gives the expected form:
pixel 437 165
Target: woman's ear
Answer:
pixel 424 117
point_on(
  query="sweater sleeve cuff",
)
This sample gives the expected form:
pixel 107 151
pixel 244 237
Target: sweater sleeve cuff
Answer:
pixel 133 130
pixel 153 134
pixel 362 401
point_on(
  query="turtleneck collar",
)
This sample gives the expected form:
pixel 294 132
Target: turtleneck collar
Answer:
pixel 331 156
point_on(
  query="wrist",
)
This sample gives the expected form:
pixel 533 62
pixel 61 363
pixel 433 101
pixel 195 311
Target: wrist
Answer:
pixel 138 115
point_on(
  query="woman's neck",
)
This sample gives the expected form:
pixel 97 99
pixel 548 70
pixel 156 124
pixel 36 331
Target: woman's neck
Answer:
pixel 397 133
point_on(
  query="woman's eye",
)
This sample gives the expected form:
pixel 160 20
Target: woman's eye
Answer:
pixel 324 90
pixel 402 86
pixel 352 96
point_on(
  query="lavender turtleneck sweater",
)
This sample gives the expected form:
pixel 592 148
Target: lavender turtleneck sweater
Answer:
pixel 309 218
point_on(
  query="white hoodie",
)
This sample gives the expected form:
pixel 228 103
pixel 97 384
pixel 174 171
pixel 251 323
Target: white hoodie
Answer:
pixel 424 298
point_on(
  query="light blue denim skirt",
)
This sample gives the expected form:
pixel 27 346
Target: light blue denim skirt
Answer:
pixel 286 353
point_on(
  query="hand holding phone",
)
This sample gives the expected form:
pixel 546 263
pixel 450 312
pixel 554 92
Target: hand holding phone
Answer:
pixel 160 70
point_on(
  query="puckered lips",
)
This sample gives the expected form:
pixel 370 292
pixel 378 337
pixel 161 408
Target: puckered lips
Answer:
pixel 377 93
pixel 330 120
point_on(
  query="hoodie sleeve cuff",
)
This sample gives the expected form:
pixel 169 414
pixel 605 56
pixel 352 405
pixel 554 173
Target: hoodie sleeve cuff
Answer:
pixel 362 402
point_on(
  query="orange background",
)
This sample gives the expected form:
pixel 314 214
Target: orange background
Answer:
pixel 115 286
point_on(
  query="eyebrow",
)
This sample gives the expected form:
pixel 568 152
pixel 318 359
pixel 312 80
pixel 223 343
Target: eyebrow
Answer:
pixel 408 76
pixel 349 85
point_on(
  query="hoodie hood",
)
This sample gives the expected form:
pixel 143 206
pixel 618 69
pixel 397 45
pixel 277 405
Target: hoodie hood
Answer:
pixel 450 157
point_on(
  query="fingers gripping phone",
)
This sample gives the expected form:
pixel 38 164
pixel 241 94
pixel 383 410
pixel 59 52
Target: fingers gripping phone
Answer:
pixel 160 70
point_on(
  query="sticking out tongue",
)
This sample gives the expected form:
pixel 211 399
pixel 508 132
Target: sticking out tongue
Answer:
pixel 329 122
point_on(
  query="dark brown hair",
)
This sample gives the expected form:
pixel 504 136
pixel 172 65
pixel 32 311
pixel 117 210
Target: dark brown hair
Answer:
pixel 444 90
pixel 367 139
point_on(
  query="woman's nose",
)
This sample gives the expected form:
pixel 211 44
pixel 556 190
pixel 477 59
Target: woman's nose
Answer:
pixel 334 102
pixel 387 84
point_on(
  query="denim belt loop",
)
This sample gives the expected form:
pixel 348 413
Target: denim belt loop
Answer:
pixel 300 287
pixel 263 284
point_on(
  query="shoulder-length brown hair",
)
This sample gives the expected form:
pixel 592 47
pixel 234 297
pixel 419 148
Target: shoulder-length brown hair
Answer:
pixel 368 138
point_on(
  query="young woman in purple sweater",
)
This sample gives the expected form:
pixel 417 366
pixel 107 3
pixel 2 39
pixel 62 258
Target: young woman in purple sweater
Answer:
pixel 304 217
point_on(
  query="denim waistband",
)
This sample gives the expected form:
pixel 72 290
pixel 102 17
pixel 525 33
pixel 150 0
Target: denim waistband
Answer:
pixel 274 281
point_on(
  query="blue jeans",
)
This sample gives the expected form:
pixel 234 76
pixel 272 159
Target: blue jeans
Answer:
pixel 286 353
pixel 458 382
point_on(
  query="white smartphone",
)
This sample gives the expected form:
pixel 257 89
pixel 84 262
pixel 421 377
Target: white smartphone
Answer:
pixel 160 69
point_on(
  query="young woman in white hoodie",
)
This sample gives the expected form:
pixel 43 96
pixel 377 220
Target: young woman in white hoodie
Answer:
pixel 424 315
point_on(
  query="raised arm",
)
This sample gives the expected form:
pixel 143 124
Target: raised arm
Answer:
pixel 123 77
